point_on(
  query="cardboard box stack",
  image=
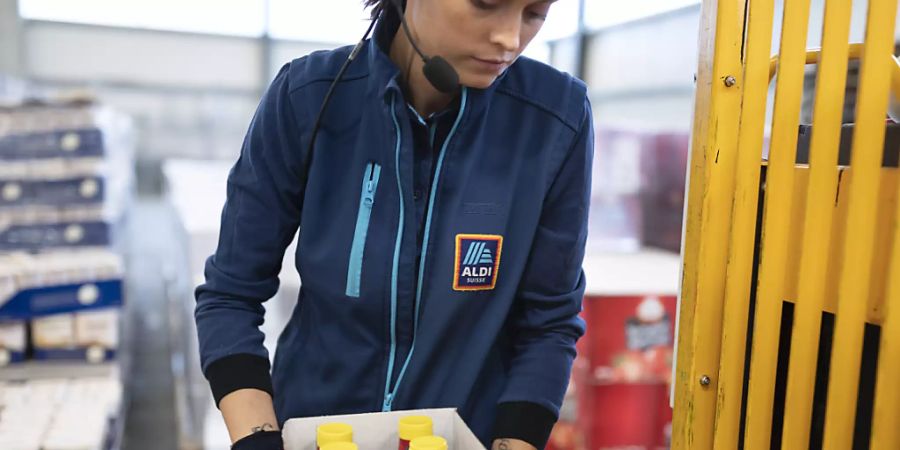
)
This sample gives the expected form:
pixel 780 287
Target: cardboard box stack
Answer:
pixel 65 184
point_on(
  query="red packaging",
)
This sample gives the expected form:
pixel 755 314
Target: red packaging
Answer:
pixel 623 372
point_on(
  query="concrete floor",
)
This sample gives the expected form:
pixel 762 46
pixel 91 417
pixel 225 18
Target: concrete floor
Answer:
pixel 170 403
pixel 151 421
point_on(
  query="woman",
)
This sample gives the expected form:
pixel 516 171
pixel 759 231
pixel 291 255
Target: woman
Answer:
pixel 441 234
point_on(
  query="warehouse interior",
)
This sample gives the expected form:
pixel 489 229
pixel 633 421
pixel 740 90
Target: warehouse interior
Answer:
pixel 178 83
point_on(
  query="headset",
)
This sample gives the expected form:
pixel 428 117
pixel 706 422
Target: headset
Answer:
pixel 437 71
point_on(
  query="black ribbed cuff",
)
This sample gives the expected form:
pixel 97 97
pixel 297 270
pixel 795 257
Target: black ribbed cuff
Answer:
pixel 264 440
pixel 525 421
pixel 241 371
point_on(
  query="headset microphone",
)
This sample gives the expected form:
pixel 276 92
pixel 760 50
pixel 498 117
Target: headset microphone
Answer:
pixel 437 70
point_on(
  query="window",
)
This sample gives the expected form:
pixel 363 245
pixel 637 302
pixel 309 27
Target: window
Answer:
pixel 231 17
pixel 331 21
pixel 603 14
pixel 562 22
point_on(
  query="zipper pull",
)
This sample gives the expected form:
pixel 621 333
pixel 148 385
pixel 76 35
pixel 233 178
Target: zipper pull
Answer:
pixel 370 178
pixel 388 400
pixel 369 198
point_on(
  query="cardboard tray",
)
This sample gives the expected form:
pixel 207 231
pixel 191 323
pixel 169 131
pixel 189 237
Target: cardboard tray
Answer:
pixel 378 431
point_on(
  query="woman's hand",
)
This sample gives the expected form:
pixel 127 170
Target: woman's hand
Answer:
pixel 511 444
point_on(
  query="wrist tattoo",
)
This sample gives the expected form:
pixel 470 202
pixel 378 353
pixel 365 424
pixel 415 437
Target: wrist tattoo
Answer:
pixel 263 427
pixel 503 445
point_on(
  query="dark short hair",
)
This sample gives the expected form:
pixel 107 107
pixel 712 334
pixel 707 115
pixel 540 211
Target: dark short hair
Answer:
pixel 376 5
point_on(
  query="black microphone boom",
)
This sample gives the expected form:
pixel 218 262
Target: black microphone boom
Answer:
pixel 437 70
pixel 337 79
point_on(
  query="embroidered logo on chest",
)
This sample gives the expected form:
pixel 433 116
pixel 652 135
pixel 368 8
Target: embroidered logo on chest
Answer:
pixel 477 262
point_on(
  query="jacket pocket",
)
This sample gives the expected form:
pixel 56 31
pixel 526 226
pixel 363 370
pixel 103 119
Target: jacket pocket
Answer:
pixel 366 203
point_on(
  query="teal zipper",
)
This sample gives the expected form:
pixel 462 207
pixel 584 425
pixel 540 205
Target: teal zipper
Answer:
pixel 389 394
pixel 366 203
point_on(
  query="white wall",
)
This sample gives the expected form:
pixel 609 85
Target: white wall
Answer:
pixel 68 52
pixel 641 73
pixel 191 95
pixel 654 52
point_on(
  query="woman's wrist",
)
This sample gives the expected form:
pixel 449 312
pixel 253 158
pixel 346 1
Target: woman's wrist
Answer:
pixel 248 411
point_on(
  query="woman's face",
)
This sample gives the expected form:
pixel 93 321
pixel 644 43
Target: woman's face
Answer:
pixel 480 38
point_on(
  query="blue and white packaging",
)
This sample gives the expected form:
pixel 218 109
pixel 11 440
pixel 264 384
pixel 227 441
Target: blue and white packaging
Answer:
pixel 35 229
pixel 34 132
pixel 66 176
pixel 50 192
pixel 37 236
pixel 97 333
pixel 53 333
pixel 12 342
pixel 33 285
pixel 91 336
pixel 66 179
pixel 61 182
pixel 73 143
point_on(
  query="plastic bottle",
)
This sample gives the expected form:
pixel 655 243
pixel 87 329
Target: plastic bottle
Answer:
pixel 428 443
pixel 340 446
pixel 411 427
pixel 329 433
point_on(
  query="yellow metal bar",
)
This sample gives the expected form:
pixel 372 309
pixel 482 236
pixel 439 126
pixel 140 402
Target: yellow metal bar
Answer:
pixel 868 142
pixel 708 219
pixel 795 232
pixel 682 418
pixel 885 432
pixel 743 229
pixel 696 182
pixel 887 200
pixel 820 195
pixel 881 259
pixel 855 52
pixel 779 195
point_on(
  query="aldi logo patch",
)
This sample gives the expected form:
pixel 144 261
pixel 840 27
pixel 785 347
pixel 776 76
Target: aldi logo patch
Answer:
pixel 477 262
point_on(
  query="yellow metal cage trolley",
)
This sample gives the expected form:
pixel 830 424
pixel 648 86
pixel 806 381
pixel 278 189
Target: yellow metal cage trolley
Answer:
pixel 789 315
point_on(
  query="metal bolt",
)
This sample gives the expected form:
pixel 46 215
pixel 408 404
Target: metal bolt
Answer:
pixel 704 380
pixel 730 81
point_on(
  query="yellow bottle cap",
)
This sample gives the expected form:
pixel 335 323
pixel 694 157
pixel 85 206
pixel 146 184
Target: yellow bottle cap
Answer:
pixel 328 433
pixel 412 427
pixel 340 446
pixel 428 443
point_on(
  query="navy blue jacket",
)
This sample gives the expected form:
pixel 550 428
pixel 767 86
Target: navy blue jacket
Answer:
pixel 482 316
